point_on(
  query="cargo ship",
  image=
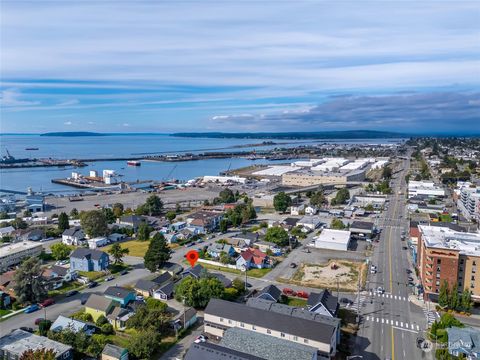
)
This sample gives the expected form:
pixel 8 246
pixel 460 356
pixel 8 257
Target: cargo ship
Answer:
pixel 9 159
pixel 133 163
pixel 31 148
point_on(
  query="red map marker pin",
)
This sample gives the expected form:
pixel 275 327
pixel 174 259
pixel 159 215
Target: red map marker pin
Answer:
pixel 192 257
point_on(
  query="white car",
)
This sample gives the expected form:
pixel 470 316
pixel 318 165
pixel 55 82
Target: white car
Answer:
pixel 380 290
pixel 200 339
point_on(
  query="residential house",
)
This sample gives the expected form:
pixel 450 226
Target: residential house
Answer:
pixel 185 319
pixel 118 317
pixel 177 226
pixel 114 352
pixel 204 221
pixel 238 245
pixel 270 293
pixel 116 237
pixel 310 222
pixel 14 344
pixel 217 248
pixel 97 242
pixel 82 259
pixel 6 231
pixel 165 291
pixel 66 273
pixel 253 258
pixel 98 305
pixel 276 320
pixel 265 245
pixel 5 300
pixel 147 287
pixel 464 341
pixel 171 238
pixel 34 235
pixel 197 270
pixel 223 279
pixel 248 237
pixel 120 295
pixel 63 323
pixel 7 282
pixel 172 268
pixel 73 236
pixel 132 221
pixel 323 303
pixel 297 209
pixel 210 351
pixel 311 210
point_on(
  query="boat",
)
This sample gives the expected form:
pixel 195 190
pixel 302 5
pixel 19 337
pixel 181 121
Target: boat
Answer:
pixel 31 148
pixel 134 163
pixel 9 159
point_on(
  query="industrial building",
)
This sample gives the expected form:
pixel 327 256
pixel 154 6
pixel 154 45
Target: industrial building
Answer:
pixel 313 177
pixel 426 188
pixel 13 253
pixel 332 239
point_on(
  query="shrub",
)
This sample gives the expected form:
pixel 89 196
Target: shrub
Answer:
pixel 107 329
pixel 102 320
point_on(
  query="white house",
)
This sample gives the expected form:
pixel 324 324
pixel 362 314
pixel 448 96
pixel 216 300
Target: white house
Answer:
pixel 332 239
pixel 297 209
pixel 97 242
pixel 311 210
pixel 73 236
pixel 310 222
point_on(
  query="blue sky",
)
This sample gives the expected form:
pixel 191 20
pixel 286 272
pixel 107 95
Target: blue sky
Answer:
pixel 164 66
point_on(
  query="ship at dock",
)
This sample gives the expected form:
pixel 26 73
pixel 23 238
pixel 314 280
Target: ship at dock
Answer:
pixel 9 159
pixel 134 163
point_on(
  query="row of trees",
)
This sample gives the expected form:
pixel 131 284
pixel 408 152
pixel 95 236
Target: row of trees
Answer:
pixel 451 299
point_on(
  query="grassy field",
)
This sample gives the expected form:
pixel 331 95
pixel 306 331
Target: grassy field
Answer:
pixel 4 312
pixel 256 273
pixel 136 247
pixel 445 218
pixel 296 302
pixel 92 275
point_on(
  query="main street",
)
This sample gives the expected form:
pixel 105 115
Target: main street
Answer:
pixel 390 323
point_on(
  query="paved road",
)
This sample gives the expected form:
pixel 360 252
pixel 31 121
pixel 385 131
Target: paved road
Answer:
pixel 390 323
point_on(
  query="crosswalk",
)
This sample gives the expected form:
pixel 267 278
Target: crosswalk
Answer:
pixel 388 296
pixel 396 323
pixel 430 315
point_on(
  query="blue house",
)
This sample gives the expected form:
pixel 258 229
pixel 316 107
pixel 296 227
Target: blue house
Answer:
pixel 464 341
pixel 120 294
pixel 83 259
pixel 217 248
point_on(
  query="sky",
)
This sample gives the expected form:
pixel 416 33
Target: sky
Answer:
pixel 168 66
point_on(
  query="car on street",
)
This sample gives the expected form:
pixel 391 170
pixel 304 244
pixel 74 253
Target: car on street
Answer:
pixel 92 284
pixel 200 339
pixel 346 301
pixel 32 308
pixel 47 302
pixel 38 320
pixel 404 248
pixel 293 265
pixel 380 290
pixel 124 272
pixel 84 299
pixel 108 278
pixel 71 293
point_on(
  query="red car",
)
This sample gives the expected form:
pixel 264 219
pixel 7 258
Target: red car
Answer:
pixel 287 291
pixel 47 302
pixel 302 294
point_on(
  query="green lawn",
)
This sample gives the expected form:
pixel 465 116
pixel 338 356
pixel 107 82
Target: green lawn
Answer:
pixel 136 247
pixel 257 273
pixel 296 302
pixel 4 312
pixel 74 285
pixel 92 275
pixel 445 218
pixel 116 268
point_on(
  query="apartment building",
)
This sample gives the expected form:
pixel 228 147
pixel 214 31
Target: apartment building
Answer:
pixel 13 253
pixel 469 202
pixel 312 177
pixel 283 322
pixel 447 254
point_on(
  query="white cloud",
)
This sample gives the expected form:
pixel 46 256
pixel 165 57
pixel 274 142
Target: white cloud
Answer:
pixel 126 124
pixel 13 98
pixel 68 123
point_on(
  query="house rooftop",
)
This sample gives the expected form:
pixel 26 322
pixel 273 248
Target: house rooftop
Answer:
pixel 98 302
pixel 271 290
pixel 19 341
pixel 117 291
pixel 325 298
pixel 80 253
pixel 209 351
pixel 302 327
pixel 265 346
pixel 63 322
pixel 146 285
pixel 364 225
pixel 113 350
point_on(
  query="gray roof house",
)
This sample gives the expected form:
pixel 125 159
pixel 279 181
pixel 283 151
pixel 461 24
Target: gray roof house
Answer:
pixel 209 351
pixel 265 346
pixel 74 325
pixel 82 259
pixel 270 293
pixel 73 236
pixel 13 345
pixel 114 352
pixel 323 303
pixel 280 321
pixel 133 221
pixel 464 341
pixel 362 227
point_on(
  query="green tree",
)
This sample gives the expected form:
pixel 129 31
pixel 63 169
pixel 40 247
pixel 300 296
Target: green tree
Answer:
pixel 341 197
pixel 144 344
pixel 230 294
pixel 74 213
pixel 337 224
pixel 466 300
pixel 18 223
pixel 109 215
pixel 29 283
pixel 154 304
pixel 158 253
pixel 148 317
pixel 238 284
pixel 44 326
pixel 454 300
pixel 170 215
pixel 198 292
pixel 224 258
pixel 63 222
pixel 94 223
pixel 27 213
pixel 444 294
pixel 153 205
pixel 277 235
pixel 223 225
pixel 143 232
pixel 118 253
pixel 387 173
pixel 226 196
pixel 281 202
pixel 117 209
pixel 60 251
pixel 39 354
pixel 101 320
pixel 318 199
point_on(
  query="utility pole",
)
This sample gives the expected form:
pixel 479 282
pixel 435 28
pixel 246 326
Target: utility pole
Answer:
pixel 358 298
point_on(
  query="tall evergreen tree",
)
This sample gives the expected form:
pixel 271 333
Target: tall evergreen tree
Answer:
pixel 444 294
pixel 158 253
pixel 63 222
pixel 29 283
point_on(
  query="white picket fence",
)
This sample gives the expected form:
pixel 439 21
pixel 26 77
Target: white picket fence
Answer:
pixel 216 263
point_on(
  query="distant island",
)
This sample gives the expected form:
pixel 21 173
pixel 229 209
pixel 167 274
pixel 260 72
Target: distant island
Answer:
pixel 73 134
pixel 349 134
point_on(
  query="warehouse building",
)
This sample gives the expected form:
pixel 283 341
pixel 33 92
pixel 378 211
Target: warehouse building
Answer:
pixel 332 240
pixel 305 177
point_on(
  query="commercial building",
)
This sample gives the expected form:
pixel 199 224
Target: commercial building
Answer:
pixel 13 345
pixel 469 203
pixel 13 253
pixel 427 188
pixel 332 239
pixel 444 254
pixel 307 177
pixel 282 322
pixel 362 229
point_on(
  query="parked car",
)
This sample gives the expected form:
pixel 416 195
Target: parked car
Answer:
pixel 47 302
pixel 28 329
pixel 108 278
pixel 293 265
pixel 380 290
pixel 346 301
pixel 32 308
pixel 200 339
pixel 92 284
pixel 71 293
pixel 124 272
pixel 302 294
pixel 84 299
pixel 38 320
